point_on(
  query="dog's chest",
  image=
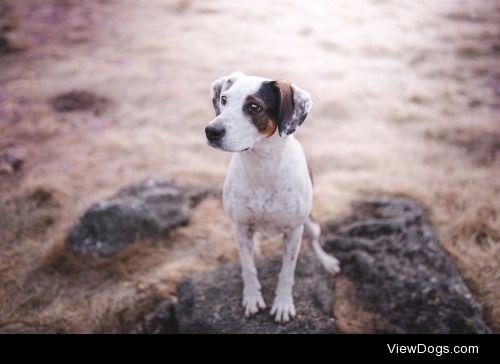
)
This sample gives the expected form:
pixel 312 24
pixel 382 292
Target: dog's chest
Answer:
pixel 267 209
pixel 271 208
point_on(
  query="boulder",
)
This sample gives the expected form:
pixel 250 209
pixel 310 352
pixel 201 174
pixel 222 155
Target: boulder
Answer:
pixel 393 257
pixel 11 162
pixel 160 321
pixel 388 252
pixel 146 210
pixel 79 100
pixel 211 302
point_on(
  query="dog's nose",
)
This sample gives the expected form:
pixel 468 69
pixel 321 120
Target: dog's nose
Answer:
pixel 215 132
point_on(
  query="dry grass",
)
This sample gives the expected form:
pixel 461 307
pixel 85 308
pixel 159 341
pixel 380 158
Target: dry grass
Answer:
pixel 406 102
pixel 350 315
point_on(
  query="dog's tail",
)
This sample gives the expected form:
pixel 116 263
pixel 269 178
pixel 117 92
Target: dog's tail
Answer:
pixel 312 232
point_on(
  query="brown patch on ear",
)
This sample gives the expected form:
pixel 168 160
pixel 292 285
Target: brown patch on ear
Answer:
pixel 286 105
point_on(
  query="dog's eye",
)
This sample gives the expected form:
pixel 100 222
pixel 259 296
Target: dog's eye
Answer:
pixel 223 100
pixel 254 108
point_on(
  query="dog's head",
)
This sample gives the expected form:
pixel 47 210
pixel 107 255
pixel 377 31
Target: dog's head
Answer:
pixel 249 109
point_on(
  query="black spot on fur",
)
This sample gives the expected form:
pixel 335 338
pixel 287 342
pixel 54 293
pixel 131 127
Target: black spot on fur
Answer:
pixel 228 84
pixel 267 93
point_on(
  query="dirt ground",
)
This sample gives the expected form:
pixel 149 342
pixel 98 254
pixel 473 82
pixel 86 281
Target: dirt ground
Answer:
pixel 406 102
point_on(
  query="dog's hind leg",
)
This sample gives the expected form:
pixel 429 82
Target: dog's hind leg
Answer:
pixel 312 232
pixel 252 297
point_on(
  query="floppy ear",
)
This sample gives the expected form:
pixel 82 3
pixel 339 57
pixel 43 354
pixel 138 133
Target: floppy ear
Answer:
pixel 220 85
pixel 294 105
pixel 215 92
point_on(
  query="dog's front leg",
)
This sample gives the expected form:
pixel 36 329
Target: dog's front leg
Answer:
pixel 283 307
pixel 252 297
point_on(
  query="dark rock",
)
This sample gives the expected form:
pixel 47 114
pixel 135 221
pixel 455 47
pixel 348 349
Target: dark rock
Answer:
pixel 392 255
pixel 78 101
pixel 146 210
pixel 11 40
pixel 160 321
pixel 10 162
pixel 5 46
pixel 211 302
pixel 14 42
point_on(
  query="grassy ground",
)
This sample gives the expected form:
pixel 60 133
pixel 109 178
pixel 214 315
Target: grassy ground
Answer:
pixel 406 102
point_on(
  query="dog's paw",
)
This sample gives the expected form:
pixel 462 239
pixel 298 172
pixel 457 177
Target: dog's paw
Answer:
pixel 252 303
pixel 331 264
pixel 283 309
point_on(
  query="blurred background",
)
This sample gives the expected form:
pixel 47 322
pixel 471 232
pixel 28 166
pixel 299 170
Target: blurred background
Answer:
pixel 96 95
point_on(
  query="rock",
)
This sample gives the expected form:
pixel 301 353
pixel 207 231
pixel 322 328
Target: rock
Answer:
pixel 5 46
pixel 160 321
pixel 11 162
pixel 79 101
pixel 146 210
pixel 13 42
pixel 392 255
pixel 211 302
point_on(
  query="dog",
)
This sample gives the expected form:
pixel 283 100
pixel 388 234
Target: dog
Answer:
pixel 268 187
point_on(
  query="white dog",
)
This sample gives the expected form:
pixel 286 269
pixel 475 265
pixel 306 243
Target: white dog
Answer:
pixel 268 187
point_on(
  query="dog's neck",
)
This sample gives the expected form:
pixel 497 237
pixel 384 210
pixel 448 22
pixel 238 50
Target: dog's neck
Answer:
pixel 267 147
pixel 262 161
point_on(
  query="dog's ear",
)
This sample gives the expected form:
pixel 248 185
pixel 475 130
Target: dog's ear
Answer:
pixel 294 105
pixel 220 85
